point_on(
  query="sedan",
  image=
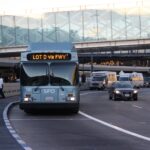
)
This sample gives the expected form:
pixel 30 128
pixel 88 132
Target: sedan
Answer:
pixel 123 90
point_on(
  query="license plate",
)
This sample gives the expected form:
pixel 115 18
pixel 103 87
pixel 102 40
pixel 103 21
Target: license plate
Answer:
pixel 49 99
pixel 126 95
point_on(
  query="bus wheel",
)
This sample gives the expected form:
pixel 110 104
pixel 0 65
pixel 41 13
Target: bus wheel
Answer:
pixel 75 110
pixel 28 111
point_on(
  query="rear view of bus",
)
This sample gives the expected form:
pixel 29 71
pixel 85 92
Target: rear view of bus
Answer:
pixel 49 77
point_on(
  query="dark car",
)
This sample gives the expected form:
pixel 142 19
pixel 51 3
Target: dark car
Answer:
pixel 123 90
pixel 146 81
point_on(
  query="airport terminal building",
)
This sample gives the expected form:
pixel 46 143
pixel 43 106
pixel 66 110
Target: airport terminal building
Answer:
pixel 79 24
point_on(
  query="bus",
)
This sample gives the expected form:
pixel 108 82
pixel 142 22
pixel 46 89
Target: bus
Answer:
pixel 49 77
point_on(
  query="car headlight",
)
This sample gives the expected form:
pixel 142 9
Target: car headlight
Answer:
pixel 117 92
pixel 135 91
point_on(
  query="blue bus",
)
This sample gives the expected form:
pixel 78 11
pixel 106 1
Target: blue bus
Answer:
pixel 49 77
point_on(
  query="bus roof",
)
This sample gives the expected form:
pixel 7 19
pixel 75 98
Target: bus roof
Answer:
pixel 50 46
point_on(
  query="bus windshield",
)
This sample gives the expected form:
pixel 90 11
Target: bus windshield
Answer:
pixel 64 74
pixel 55 74
pixel 34 74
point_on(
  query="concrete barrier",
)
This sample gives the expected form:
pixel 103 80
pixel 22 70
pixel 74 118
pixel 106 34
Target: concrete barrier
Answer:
pixel 84 86
pixel 11 89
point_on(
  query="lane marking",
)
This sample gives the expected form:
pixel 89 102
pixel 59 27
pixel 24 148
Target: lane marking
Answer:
pixel 48 119
pixel 26 147
pixel 113 126
pixel 137 106
pixel 10 128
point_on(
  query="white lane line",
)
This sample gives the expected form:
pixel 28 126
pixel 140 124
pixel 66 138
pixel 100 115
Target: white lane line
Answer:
pixel 137 106
pixel 71 119
pixel 10 128
pixel 115 127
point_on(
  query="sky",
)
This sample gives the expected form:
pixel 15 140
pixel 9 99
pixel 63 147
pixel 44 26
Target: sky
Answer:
pixel 19 6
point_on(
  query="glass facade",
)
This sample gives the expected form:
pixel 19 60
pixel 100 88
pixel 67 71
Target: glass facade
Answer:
pixel 76 26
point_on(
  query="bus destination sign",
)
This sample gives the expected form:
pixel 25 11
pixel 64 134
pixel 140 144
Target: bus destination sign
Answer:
pixel 49 56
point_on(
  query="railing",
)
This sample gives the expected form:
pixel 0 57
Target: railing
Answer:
pixel 86 67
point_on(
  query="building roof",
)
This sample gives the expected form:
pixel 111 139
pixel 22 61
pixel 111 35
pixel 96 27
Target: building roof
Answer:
pixel 50 46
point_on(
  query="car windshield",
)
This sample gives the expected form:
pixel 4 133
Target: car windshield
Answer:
pixel 147 78
pixel 124 79
pixel 123 85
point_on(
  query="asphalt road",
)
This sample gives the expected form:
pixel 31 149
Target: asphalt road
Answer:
pixel 101 124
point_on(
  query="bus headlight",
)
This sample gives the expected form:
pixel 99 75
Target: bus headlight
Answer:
pixel 71 97
pixel 27 98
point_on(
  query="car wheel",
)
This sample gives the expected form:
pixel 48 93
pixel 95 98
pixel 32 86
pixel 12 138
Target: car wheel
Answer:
pixel 110 97
pixel 114 97
pixel 135 98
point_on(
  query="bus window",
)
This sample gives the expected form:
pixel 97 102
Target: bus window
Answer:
pixel 34 74
pixel 63 74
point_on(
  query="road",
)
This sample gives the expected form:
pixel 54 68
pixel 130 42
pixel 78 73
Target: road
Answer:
pixel 6 140
pixel 101 124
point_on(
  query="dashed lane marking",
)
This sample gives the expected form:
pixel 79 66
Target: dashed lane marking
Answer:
pixel 137 106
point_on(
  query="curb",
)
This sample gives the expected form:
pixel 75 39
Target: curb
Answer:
pixel 10 128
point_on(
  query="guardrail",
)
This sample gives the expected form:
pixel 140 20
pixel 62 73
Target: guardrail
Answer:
pixel 87 67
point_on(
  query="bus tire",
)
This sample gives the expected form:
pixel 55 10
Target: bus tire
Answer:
pixel 28 111
pixel 75 110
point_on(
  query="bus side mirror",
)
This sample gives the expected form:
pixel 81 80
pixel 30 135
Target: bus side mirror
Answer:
pixel 83 78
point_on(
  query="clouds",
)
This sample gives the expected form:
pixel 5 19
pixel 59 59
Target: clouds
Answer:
pixel 22 6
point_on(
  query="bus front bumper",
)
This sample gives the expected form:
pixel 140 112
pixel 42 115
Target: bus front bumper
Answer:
pixel 30 106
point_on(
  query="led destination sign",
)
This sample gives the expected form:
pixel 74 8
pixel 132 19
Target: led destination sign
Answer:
pixel 49 56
